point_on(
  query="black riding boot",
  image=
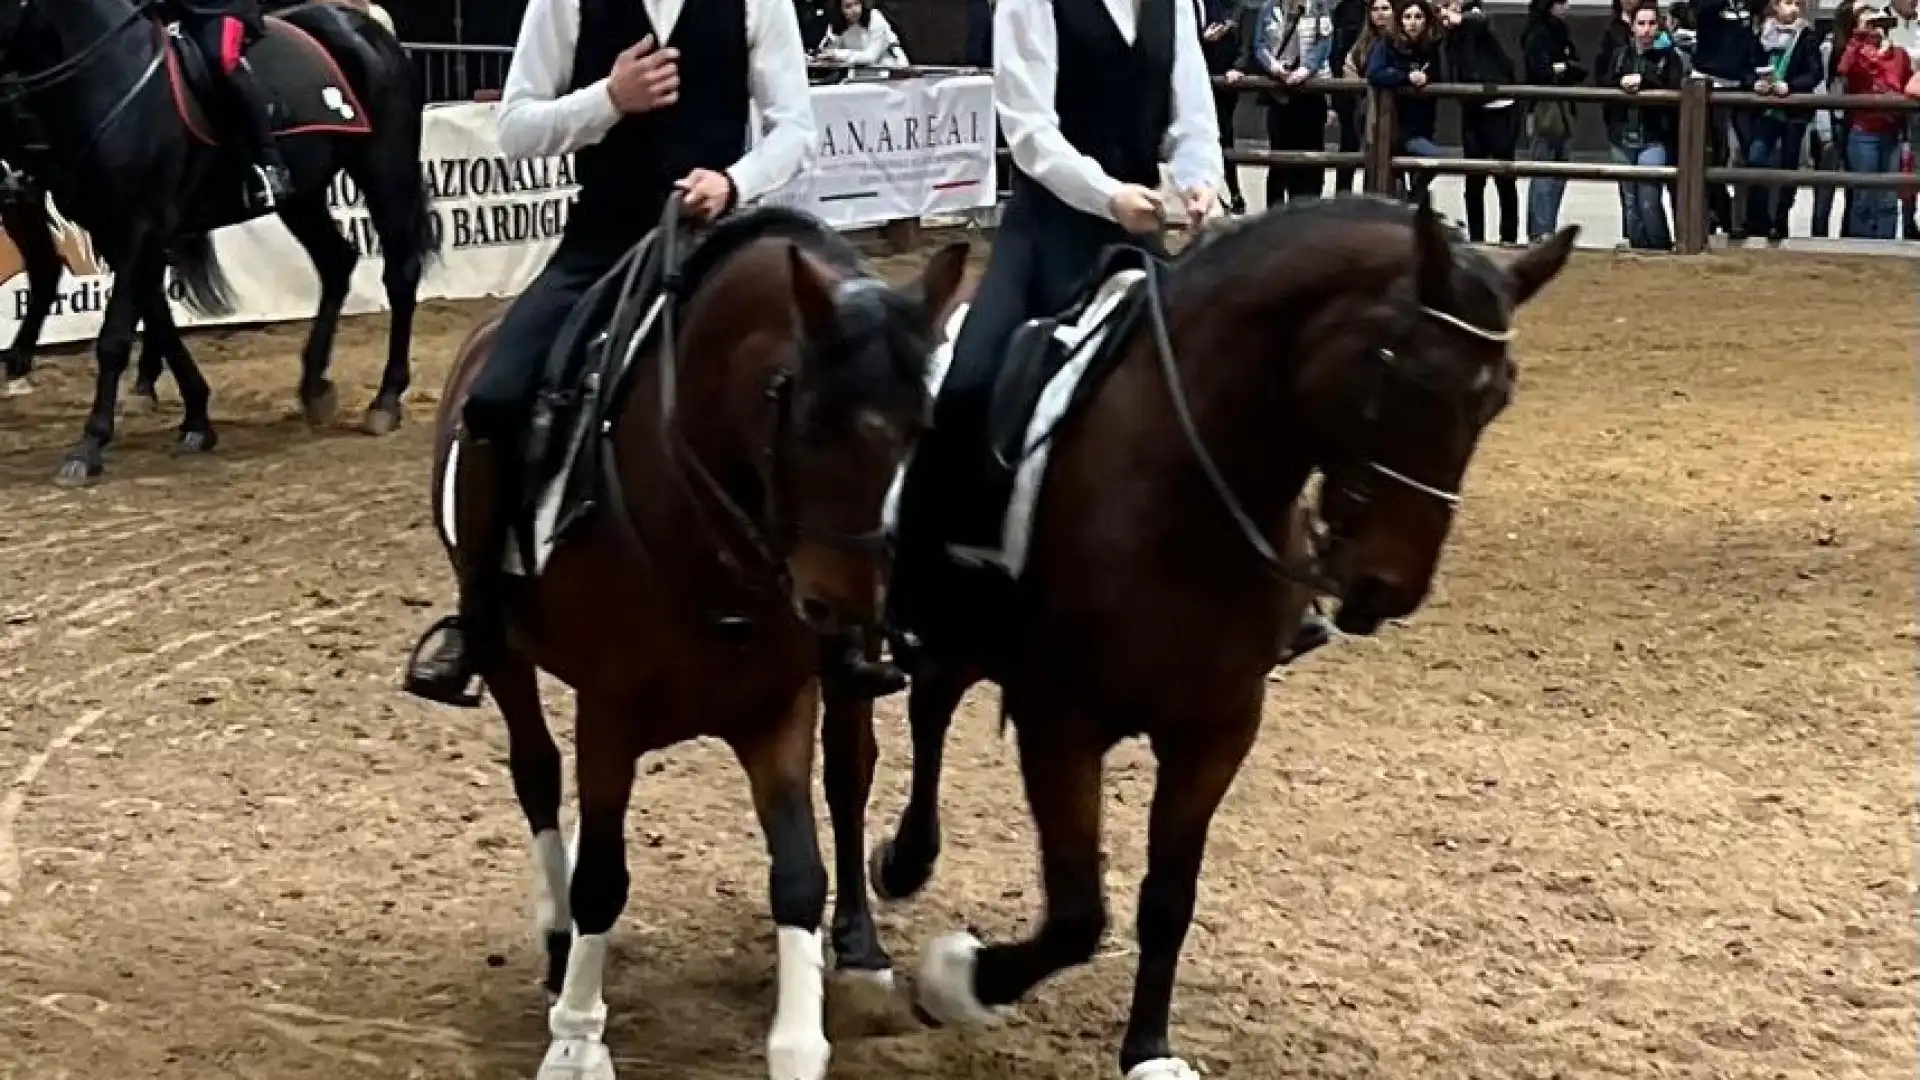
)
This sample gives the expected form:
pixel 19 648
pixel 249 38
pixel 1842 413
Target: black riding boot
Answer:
pixel 470 640
pixel 273 184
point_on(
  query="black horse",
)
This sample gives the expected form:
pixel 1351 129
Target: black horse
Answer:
pixel 132 126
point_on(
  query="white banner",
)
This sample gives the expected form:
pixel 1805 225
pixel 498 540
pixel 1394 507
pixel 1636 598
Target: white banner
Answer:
pixel 893 150
pixel 888 150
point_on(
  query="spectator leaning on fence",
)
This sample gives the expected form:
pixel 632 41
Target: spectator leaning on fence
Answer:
pixel 1723 53
pixel 1349 22
pixel 1548 59
pixel 1378 27
pixel 1788 63
pixel 1291 43
pixel 859 36
pixel 1906 35
pixel 1220 44
pixel 1488 129
pixel 1409 59
pixel 1872 64
pixel 1829 131
pixel 1643 134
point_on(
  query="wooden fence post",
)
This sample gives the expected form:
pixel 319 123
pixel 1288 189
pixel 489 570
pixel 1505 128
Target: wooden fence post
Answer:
pixel 1690 158
pixel 1382 139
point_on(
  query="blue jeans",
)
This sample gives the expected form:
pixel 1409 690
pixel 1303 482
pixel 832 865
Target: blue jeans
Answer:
pixel 1643 210
pixel 1775 144
pixel 1544 193
pixel 1875 214
pixel 1416 181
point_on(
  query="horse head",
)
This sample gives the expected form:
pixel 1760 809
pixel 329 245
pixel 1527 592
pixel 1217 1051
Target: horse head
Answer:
pixel 846 415
pixel 1399 422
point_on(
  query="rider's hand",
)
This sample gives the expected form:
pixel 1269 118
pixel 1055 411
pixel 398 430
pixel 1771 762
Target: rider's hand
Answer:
pixel 707 194
pixel 1201 203
pixel 644 77
pixel 1136 208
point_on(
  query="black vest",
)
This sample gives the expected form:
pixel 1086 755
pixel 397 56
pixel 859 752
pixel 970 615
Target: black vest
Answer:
pixel 626 177
pixel 1115 100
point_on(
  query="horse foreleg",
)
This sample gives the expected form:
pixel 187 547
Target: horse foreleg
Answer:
pixel 902 865
pixel 603 770
pixel 161 343
pixel 333 260
pixel 779 766
pixel 861 965
pixel 31 231
pixel 960 981
pixel 1193 776
pixel 533 759
pixel 142 271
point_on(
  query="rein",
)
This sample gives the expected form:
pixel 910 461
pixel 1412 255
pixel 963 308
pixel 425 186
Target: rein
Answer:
pixel 1309 574
pixel 769 539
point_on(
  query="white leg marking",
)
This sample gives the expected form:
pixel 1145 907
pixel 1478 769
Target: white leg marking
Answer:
pixel 945 983
pixel 578 1021
pixel 552 872
pixel 797 1046
pixel 1162 1069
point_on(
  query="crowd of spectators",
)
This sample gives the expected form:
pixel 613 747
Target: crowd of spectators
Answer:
pixel 1872 47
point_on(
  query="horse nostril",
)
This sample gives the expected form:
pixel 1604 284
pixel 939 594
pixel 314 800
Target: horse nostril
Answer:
pixel 816 613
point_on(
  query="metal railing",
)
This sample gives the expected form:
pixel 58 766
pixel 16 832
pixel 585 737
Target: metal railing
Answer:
pixel 459 72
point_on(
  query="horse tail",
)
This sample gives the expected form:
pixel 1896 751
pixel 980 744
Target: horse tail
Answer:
pixel 197 266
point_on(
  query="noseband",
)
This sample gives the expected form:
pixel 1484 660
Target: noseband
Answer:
pixel 1308 572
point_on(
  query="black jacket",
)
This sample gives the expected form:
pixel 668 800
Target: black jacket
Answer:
pixel 1471 54
pixel 1545 42
pixel 1659 68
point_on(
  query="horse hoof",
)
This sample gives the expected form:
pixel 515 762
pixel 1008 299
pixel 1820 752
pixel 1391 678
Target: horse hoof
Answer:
pixel 797 1056
pixel 196 442
pixel 18 387
pixel 321 408
pixel 76 473
pixel 866 994
pixel 379 421
pixel 944 986
pixel 887 883
pixel 1167 1068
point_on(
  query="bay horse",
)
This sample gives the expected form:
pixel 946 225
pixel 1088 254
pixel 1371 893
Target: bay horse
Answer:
pixel 750 480
pixel 134 155
pixel 1350 336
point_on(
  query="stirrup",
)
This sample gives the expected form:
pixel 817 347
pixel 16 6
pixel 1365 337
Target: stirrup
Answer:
pixel 464 695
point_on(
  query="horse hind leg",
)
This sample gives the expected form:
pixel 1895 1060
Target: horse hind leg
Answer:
pixel 334 258
pixel 533 760
pixel 402 217
pixel 863 972
pixel 779 766
pixel 903 864
pixel 597 894
pixel 960 981
pixel 1194 773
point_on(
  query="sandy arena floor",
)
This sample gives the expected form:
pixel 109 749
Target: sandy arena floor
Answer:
pixel 1632 797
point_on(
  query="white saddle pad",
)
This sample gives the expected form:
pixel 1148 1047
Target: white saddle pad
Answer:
pixel 1082 339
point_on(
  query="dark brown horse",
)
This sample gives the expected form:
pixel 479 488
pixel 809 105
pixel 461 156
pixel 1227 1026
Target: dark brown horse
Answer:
pixel 746 481
pixel 1352 337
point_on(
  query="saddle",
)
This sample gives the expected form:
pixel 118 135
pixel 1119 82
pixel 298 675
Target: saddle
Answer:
pixel 587 375
pixel 306 90
pixel 1042 347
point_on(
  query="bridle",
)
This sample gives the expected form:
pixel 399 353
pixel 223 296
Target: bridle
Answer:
pixel 1308 572
pixel 773 536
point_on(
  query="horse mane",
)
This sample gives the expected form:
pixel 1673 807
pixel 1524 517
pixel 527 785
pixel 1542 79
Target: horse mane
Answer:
pixel 1221 260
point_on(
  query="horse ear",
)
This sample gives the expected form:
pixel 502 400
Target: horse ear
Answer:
pixel 813 298
pixel 938 286
pixel 1541 263
pixel 1433 257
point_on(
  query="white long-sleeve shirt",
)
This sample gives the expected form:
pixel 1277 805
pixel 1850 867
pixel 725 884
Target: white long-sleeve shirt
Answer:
pixel 1026 55
pixel 872 45
pixel 540 117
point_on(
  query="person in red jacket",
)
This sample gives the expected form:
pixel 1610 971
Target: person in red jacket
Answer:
pixel 1872 64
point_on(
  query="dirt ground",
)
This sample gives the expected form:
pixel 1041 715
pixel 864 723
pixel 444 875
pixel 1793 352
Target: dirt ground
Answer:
pixel 1633 796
